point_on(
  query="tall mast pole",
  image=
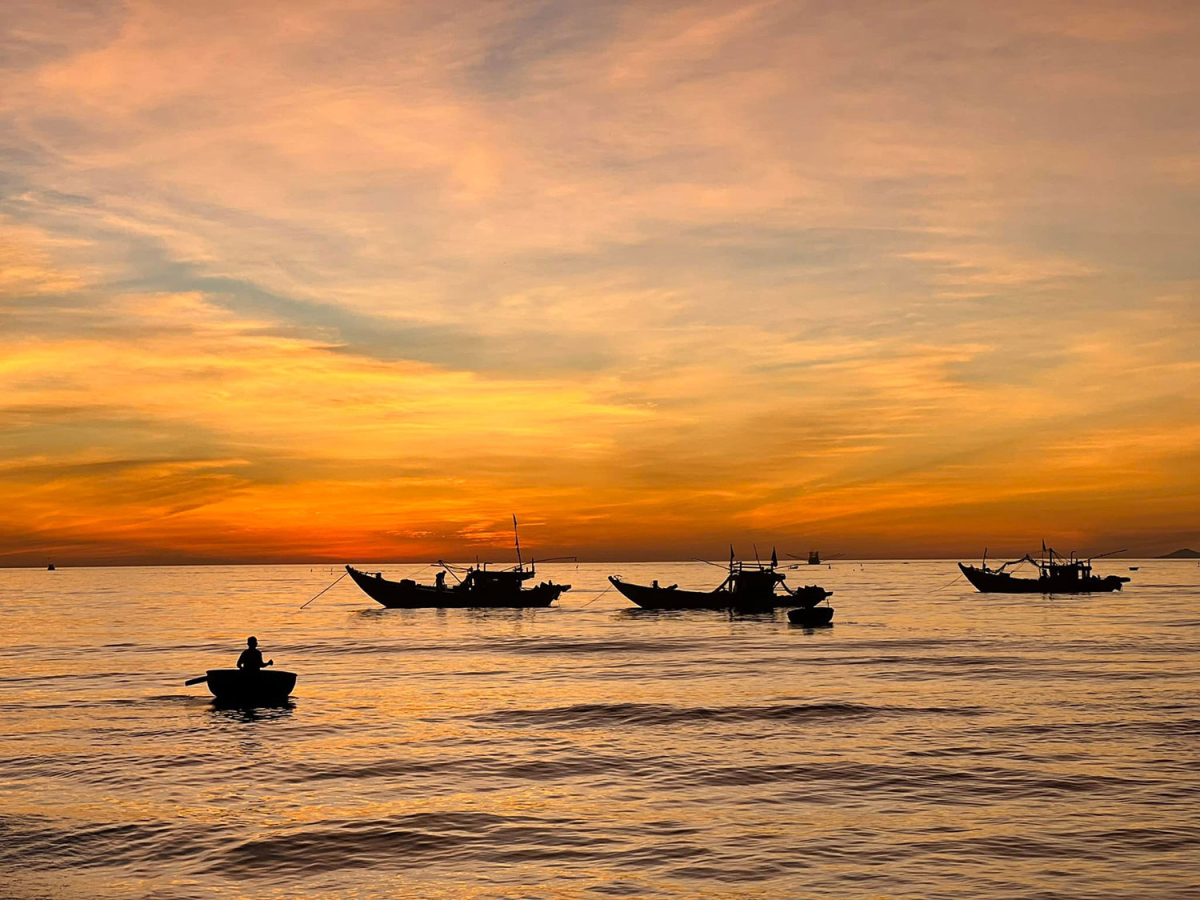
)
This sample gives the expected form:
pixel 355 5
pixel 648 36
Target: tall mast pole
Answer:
pixel 517 539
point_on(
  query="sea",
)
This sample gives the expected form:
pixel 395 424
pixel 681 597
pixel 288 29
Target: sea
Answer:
pixel 933 743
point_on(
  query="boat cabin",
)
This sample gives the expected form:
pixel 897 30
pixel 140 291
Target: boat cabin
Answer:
pixel 1068 571
pixel 756 582
pixel 500 580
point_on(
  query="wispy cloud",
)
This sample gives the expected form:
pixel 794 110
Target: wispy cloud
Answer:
pixel 318 279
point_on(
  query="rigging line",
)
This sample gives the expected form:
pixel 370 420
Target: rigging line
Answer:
pixel 335 581
pixel 597 597
pixel 417 571
pixel 947 584
pixel 449 568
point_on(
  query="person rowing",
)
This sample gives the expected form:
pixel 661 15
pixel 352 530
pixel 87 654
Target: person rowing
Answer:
pixel 251 659
pixel 249 685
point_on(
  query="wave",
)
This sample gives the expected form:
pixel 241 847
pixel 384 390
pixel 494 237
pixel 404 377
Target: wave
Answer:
pixel 417 839
pixel 478 768
pixel 594 715
pixel 37 844
pixel 594 646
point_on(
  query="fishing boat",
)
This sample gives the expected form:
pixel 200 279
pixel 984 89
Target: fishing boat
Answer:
pixel 748 587
pixel 249 687
pixel 1056 574
pixel 477 587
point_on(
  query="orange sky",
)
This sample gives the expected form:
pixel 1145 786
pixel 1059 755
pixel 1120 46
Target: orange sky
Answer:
pixel 355 281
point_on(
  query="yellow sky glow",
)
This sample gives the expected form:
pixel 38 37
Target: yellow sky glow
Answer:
pixel 327 281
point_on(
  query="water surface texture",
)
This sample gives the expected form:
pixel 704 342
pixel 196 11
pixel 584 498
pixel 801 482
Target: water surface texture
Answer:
pixel 934 743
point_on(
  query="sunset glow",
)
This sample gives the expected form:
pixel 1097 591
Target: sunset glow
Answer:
pixel 331 281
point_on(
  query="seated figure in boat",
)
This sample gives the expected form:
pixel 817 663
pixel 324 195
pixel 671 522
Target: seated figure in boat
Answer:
pixel 251 659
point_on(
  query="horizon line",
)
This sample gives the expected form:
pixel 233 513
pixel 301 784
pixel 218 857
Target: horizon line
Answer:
pixel 402 562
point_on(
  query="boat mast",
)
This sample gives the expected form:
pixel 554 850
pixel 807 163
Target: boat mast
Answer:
pixel 517 539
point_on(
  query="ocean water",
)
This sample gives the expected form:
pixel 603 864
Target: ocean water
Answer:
pixel 934 743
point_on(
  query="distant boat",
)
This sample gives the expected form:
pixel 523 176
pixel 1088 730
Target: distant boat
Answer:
pixel 479 587
pixel 50 568
pixel 1056 575
pixel 748 587
pixel 814 557
pixel 1134 568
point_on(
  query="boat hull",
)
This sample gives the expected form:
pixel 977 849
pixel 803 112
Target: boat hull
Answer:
pixel 240 687
pixel 811 616
pixel 407 594
pixel 1003 583
pixel 671 598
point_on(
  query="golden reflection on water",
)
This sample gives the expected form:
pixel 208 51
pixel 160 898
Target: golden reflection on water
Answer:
pixel 931 741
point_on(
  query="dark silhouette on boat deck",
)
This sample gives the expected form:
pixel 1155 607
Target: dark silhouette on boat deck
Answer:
pixel 480 587
pixel 748 587
pixel 250 684
pixel 1057 574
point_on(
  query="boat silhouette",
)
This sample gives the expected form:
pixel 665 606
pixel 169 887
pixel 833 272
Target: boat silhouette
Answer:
pixel 248 687
pixel 479 587
pixel 814 558
pixel 1057 574
pixel 811 616
pixel 747 587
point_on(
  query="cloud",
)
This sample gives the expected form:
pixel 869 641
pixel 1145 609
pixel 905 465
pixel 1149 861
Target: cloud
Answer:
pixel 646 273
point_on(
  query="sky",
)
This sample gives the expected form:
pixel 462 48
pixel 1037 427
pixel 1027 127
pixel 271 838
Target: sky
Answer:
pixel 357 281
